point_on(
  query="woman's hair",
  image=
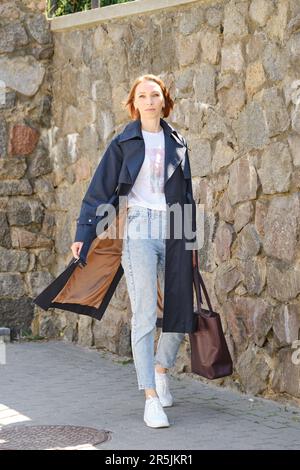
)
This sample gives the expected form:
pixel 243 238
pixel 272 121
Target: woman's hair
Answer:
pixel 134 113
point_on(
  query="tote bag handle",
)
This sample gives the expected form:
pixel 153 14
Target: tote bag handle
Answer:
pixel 199 283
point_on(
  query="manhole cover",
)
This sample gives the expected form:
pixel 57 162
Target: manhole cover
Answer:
pixel 50 437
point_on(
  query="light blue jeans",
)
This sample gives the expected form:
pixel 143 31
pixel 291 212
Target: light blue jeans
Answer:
pixel 143 261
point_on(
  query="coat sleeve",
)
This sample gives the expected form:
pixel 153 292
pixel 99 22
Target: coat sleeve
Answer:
pixel 101 189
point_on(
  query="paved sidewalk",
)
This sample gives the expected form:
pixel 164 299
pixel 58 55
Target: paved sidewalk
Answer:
pixel 55 382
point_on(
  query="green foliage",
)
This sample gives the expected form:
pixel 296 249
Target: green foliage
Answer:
pixel 105 3
pixel 65 7
pixel 124 362
pixel 27 335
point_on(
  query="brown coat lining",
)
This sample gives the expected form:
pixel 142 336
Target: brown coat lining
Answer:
pixel 88 286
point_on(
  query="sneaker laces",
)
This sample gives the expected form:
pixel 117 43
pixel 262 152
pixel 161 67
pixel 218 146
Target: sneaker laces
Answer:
pixel 155 402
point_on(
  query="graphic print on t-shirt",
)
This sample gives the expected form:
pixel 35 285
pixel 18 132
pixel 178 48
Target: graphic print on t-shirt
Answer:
pixel 148 188
pixel 156 159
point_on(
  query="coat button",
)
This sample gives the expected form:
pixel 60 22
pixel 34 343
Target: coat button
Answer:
pixel 90 220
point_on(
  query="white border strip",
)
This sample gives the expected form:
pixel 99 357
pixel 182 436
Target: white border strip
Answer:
pixel 97 15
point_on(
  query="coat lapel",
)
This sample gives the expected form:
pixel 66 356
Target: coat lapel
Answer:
pixel 134 154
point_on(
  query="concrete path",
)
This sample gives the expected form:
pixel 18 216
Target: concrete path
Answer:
pixel 55 382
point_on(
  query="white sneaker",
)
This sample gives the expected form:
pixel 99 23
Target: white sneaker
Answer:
pixel 154 415
pixel 162 389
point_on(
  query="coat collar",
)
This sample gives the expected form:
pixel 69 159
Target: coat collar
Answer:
pixel 175 148
pixel 134 129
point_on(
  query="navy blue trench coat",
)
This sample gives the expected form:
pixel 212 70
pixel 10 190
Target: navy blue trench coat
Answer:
pixel 87 285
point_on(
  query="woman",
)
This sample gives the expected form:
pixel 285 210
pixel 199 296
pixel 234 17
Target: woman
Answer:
pixel 148 163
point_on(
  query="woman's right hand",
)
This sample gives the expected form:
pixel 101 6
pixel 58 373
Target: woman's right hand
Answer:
pixel 76 248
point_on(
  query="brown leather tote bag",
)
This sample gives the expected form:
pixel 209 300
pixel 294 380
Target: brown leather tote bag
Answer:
pixel 210 356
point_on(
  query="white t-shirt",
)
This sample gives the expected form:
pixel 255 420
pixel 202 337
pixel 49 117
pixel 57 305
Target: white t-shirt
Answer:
pixel 148 188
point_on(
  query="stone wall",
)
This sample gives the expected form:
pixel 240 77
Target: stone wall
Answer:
pixel 233 67
pixel 27 221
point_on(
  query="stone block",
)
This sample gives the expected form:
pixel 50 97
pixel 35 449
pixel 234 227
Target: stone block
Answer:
pixel 281 228
pixel 242 181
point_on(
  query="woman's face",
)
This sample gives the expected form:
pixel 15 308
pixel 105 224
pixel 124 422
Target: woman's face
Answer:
pixel 149 99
